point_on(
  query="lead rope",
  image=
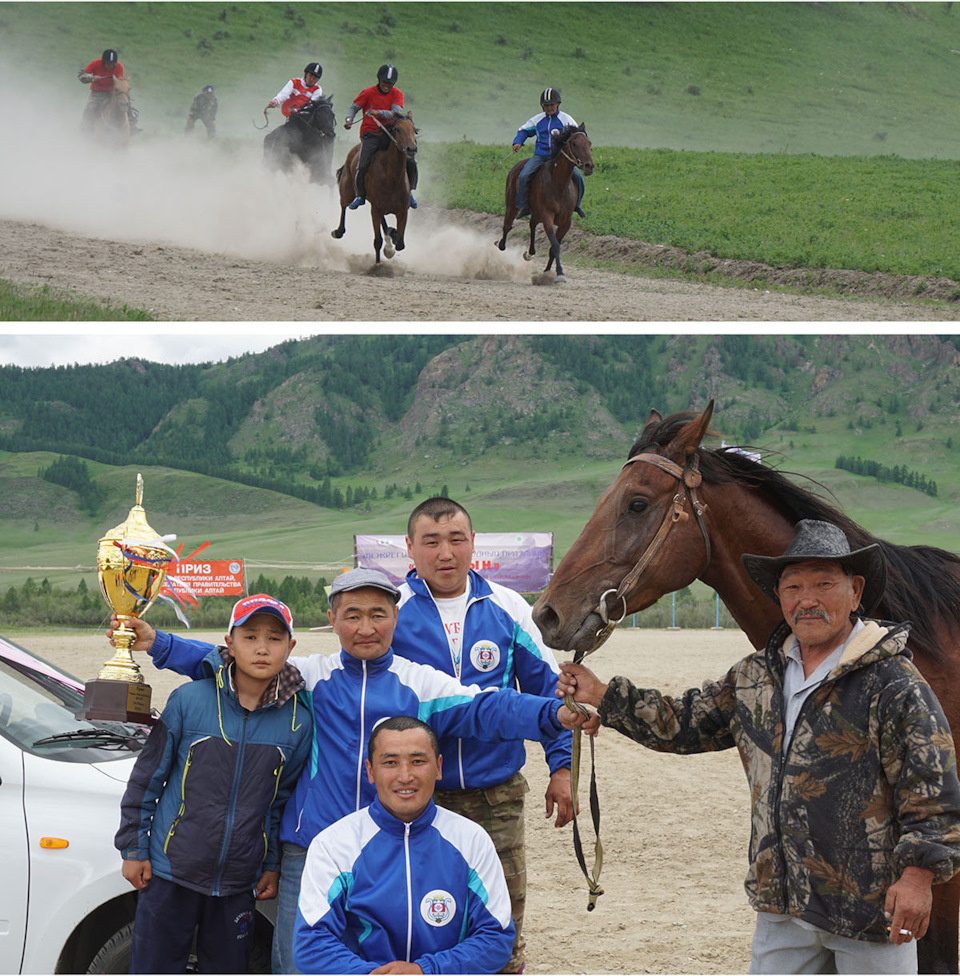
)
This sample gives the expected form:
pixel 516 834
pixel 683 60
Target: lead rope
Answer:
pixel 592 877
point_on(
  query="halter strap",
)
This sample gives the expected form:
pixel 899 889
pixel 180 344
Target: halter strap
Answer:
pixel 689 479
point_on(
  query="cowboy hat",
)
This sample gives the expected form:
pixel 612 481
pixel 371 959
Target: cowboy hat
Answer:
pixel 822 540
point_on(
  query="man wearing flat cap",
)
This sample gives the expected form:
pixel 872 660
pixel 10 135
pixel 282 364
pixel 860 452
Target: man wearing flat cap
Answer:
pixel 849 758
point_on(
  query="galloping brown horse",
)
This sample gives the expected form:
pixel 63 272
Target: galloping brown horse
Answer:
pixel 113 122
pixel 553 194
pixel 387 186
pixel 658 527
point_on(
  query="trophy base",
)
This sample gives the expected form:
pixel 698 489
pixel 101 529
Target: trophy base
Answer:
pixel 116 701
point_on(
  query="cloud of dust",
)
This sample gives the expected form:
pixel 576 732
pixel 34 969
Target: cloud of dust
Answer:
pixel 214 196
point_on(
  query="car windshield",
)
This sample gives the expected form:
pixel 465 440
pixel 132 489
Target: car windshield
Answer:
pixel 38 705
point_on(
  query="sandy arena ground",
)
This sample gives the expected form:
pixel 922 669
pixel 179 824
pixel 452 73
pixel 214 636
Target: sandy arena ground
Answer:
pixel 674 828
pixel 448 273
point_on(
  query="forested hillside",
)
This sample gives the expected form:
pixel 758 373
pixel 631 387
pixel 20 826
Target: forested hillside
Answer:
pixel 304 416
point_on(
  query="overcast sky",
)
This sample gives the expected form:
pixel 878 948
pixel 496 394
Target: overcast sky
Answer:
pixel 60 344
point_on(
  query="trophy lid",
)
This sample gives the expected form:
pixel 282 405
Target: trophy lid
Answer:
pixel 135 528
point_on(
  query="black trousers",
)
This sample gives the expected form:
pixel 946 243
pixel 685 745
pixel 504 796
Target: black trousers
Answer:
pixel 371 143
pixel 163 928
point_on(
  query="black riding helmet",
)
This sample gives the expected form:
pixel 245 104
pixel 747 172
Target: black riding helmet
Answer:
pixel 109 56
pixel 313 68
pixel 387 72
pixel 549 96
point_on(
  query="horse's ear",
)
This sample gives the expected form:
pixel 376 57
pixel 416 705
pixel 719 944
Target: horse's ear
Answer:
pixel 691 435
pixel 654 418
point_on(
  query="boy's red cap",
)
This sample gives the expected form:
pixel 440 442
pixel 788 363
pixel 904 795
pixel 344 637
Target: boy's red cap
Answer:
pixel 260 603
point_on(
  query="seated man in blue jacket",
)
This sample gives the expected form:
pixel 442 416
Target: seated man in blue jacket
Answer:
pixel 403 885
pixel 351 692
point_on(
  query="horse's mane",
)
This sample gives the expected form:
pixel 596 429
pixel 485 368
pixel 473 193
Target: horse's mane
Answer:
pixel 923 582
pixel 562 138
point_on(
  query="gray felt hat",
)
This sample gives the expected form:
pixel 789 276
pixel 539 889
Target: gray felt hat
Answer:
pixel 357 579
pixel 822 540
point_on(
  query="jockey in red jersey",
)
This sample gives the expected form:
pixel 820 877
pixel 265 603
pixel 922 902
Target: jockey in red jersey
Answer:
pixel 382 101
pixel 297 93
pixel 99 75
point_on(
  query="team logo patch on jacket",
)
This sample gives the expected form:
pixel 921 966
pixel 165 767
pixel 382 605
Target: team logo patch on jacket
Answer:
pixel 438 907
pixel 484 655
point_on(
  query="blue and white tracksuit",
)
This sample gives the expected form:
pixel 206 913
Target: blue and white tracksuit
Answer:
pixel 544 127
pixel 376 889
pixel 500 648
pixel 350 697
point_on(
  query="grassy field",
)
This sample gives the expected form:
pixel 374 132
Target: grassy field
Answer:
pixel 794 134
pixel 827 78
pixel 19 303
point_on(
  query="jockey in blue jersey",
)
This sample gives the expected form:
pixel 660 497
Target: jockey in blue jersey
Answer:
pixel 544 126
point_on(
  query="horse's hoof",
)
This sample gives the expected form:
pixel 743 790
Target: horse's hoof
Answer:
pixel 336 234
pixel 527 256
pixel 388 251
pixel 561 280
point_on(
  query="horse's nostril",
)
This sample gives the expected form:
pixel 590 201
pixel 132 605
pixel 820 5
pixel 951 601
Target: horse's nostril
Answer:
pixel 546 618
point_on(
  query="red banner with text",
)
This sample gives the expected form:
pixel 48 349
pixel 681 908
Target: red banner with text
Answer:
pixel 221 577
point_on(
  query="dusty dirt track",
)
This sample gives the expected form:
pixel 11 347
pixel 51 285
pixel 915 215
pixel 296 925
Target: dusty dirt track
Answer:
pixel 674 829
pixel 450 272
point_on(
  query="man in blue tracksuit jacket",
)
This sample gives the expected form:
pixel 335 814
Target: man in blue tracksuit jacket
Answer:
pixel 403 881
pixel 352 691
pixel 543 127
pixel 481 633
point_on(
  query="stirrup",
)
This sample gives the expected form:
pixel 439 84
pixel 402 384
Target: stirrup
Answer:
pixel 359 202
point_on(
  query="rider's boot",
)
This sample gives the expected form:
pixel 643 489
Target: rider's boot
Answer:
pixel 358 202
pixel 577 210
pixel 413 203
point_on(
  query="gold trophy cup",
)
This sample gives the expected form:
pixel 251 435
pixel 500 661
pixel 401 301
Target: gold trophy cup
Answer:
pixel 131 567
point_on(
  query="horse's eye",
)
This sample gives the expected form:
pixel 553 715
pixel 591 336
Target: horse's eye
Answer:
pixel 638 506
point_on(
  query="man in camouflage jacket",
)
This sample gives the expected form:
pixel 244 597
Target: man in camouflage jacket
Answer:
pixel 853 782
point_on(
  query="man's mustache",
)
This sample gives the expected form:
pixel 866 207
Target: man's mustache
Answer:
pixel 811 615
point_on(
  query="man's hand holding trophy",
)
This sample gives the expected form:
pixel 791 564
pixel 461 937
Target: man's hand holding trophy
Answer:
pixel 132 562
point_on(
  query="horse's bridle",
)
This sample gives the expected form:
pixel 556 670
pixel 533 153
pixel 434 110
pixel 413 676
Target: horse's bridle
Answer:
pixel 389 134
pixel 573 159
pixel 689 479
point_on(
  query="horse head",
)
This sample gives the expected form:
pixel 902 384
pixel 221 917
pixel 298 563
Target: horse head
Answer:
pixel 576 146
pixel 619 564
pixel 404 134
pixel 319 116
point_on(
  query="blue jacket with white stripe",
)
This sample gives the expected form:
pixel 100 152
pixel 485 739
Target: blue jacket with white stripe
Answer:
pixel 350 696
pixel 376 889
pixel 500 648
pixel 205 796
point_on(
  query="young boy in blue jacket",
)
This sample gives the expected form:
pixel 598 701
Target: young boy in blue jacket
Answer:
pixel 199 824
pixel 403 885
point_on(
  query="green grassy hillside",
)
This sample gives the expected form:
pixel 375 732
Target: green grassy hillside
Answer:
pixel 803 400
pixel 828 78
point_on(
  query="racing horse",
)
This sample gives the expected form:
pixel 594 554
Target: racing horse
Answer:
pixel 679 512
pixel 112 125
pixel 307 136
pixel 553 194
pixel 387 186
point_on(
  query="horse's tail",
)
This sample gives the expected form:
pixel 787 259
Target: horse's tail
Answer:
pixel 340 172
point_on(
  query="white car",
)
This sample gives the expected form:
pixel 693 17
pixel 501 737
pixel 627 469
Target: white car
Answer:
pixel 64 906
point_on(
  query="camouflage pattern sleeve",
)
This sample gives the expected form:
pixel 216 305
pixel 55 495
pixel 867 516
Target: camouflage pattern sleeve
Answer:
pixel 918 758
pixel 699 721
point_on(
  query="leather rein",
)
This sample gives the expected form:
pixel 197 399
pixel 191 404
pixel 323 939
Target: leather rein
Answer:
pixel 689 480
